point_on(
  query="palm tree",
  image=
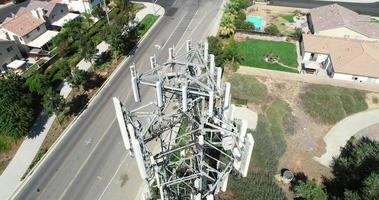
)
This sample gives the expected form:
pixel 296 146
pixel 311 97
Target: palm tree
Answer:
pixel 227 26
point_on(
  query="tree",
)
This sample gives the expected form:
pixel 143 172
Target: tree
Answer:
pixel 227 26
pixel 309 190
pixel 38 83
pixel 53 102
pixel 371 187
pixel 356 169
pixel 87 20
pixel 231 52
pixel 78 78
pixel 17 107
pixel 98 11
pixel 297 33
pixel 88 49
pixel 217 49
pixel 272 29
pixel 120 37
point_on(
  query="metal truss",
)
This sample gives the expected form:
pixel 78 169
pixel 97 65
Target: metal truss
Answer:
pixel 187 141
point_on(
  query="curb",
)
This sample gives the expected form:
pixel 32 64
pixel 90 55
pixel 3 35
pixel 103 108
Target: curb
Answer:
pixel 89 103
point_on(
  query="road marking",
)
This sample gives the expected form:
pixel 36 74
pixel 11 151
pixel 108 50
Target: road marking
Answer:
pixel 87 159
pixel 114 175
pixel 173 31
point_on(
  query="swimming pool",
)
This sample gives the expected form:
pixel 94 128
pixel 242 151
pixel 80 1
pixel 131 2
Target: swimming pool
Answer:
pixel 256 20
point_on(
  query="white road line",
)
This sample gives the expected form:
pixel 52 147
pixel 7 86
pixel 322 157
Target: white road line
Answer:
pixel 114 175
pixel 87 159
pixel 176 27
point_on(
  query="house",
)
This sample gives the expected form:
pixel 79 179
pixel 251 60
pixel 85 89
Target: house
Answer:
pixel 340 58
pixel 55 14
pixel 81 6
pixel 28 30
pixel 337 21
pixel 9 52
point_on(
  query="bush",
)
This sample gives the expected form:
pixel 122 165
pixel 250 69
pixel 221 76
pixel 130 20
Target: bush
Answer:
pixel 330 104
pixel 272 29
pixel 309 190
pixel 297 33
pixel 216 48
pixel 246 87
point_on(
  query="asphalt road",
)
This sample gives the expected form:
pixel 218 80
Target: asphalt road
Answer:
pixel 365 8
pixel 91 162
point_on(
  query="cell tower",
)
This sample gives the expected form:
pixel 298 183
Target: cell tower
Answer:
pixel 187 141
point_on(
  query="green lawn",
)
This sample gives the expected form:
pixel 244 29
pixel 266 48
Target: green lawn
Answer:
pixel 330 104
pixel 288 18
pixel 146 23
pixel 254 51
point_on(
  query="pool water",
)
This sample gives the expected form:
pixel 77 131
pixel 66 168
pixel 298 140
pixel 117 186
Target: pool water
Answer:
pixel 256 20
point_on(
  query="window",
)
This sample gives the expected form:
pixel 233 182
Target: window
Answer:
pixel 38 28
pixel 20 38
pixel 61 10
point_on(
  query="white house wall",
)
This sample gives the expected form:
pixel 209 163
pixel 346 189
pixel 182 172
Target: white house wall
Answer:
pixel 349 77
pixel 26 38
pixel 80 5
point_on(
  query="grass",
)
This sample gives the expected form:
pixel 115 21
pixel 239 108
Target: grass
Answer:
pixel 330 104
pixel 288 18
pixel 146 23
pixel 254 51
pixel 269 146
pixel 5 143
pixel 246 88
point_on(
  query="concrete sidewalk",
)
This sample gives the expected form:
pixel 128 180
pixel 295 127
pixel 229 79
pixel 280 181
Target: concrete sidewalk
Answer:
pixel 11 177
pixel 343 131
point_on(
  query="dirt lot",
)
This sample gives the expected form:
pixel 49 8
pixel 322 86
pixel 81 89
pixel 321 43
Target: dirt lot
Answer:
pixel 307 139
pixel 276 15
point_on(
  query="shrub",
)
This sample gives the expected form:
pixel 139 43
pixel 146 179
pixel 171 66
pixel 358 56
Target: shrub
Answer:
pixel 330 104
pixel 272 29
pixel 309 190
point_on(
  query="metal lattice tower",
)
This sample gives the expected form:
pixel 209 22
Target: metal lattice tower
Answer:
pixel 187 141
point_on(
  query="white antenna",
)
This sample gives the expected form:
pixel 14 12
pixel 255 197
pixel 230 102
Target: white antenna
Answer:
pixel 212 65
pixel 158 86
pixel 137 152
pixel 210 103
pixel 171 54
pixel 121 123
pixel 153 61
pixel 188 45
pixel 184 98
pixel 206 53
pixel 134 83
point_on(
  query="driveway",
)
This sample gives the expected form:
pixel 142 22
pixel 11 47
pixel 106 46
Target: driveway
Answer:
pixel 343 131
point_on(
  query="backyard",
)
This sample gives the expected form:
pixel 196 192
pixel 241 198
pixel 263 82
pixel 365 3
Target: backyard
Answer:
pixel 274 55
pixel 282 17
pixel 290 130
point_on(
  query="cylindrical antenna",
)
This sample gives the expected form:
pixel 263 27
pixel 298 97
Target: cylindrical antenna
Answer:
pixel 153 61
pixel 211 103
pixel 184 98
pixel 188 45
pixel 134 83
pixel 158 86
